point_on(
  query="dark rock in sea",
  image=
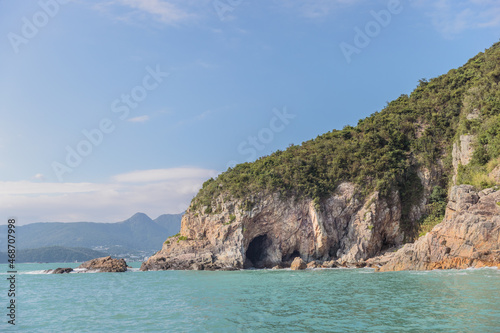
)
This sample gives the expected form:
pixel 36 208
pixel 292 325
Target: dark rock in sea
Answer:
pixel 59 271
pixel 105 265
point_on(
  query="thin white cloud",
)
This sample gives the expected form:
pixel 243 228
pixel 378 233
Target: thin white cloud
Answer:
pixel 199 117
pixel 25 187
pixel 39 176
pixel 453 17
pixel 153 192
pixel 448 17
pixel 205 65
pixel 314 9
pixel 164 174
pixel 140 119
pixel 164 11
pixel 170 12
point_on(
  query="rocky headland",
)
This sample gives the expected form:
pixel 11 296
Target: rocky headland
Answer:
pixel 359 197
pixel 353 234
pixel 348 229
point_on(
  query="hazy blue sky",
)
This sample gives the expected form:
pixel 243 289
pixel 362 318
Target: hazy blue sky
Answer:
pixel 113 107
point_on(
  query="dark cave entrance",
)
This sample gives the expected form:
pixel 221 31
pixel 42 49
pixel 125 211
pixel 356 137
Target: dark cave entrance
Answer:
pixel 256 251
pixel 290 257
pixel 386 245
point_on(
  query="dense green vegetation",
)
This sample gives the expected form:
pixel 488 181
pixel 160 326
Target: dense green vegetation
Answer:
pixel 383 151
pixel 54 254
pixel 477 174
pixel 436 209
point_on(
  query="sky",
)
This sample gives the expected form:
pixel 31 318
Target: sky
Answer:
pixel 114 107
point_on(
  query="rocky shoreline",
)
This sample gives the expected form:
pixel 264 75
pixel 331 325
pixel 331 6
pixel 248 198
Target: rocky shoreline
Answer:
pixel 349 228
pixel 469 236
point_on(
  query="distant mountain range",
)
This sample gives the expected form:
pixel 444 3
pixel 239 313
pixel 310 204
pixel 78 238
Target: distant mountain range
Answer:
pixel 135 235
pixel 53 254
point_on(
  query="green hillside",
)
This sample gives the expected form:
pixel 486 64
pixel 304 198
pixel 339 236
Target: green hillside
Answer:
pixel 383 151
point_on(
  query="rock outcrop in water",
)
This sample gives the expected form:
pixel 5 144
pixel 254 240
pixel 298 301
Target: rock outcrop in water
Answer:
pixel 298 264
pixel 348 228
pixel 105 264
pixel 59 271
pixel 469 236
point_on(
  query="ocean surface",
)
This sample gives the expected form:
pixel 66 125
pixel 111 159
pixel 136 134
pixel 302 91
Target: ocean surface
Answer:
pixel 332 300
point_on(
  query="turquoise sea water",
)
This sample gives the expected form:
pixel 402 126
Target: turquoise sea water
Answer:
pixel 335 300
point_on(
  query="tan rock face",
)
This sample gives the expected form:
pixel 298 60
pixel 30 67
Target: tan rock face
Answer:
pixel 469 236
pixel 348 227
pixel 495 174
pixel 462 153
pixel 298 264
pixel 105 264
pixel 329 264
pixel 313 264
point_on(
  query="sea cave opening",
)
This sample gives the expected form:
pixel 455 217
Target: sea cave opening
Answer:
pixel 290 257
pixel 256 251
pixel 386 244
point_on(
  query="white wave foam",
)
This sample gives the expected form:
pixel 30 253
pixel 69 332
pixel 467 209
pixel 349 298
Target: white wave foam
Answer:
pixel 43 271
pixel 133 269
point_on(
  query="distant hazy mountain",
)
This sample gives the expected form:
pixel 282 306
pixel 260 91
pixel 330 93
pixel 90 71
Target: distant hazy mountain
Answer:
pixel 54 254
pixel 171 223
pixel 138 233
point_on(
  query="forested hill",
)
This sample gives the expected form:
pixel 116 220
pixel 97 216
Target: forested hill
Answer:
pixel 384 149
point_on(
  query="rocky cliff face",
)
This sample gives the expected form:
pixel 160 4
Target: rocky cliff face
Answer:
pixel 469 236
pixel 270 231
pixel 462 153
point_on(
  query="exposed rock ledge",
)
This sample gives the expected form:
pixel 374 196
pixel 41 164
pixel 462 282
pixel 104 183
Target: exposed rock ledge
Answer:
pixel 105 265
pixel 469 236
pixel 272 232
